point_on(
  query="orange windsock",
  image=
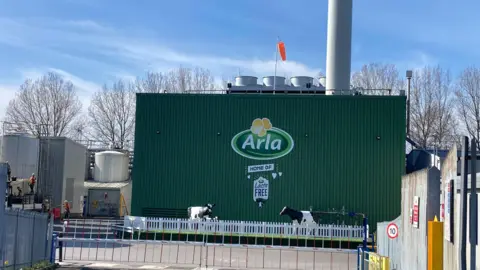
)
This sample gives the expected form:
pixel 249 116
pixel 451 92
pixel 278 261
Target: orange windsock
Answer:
pixel 281 50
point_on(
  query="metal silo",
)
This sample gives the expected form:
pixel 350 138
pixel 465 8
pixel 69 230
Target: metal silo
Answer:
pixel 21 152
pixel 111 166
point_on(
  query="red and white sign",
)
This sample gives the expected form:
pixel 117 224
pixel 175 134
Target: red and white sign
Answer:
pixel 392 230
pixel 416 210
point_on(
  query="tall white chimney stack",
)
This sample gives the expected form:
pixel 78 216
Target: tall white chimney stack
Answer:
pixel 339 45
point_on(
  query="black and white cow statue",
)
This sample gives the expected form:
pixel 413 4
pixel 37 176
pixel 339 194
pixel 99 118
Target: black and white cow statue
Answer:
pixel 201 212
pixel 300 217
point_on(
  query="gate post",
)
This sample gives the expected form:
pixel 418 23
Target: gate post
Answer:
pixel 60 248
pixel 53 250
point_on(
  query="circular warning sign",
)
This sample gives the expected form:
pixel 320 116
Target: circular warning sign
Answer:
pixel 392 230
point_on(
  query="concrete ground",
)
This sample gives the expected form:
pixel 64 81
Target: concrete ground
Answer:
pixel 185 256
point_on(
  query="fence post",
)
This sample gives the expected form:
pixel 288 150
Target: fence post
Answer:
pixel 15 244
pixel 358 257
pixel 3 220
pixel 49 233
pixel 52 248
pixel 60 248
pixel 365 233
pixel 33 240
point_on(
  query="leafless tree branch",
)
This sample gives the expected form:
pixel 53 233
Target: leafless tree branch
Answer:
pixel 46 106
pixel 180 80
pixel 468 100
pixel 112 114
pixel 378 76
pixel 432 113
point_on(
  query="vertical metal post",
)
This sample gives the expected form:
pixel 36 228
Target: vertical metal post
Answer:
pixel 463 207
pixel 33 240
pixel 53 250
pixel 16 241
pixel 473 205
pixel 60 248
pixel 409 79
pixel 3 219
pixel 365 233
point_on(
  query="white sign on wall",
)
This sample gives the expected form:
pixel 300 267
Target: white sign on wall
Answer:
pixel 448 205
pixel 261 168
pixel 260 191
pixel 416 211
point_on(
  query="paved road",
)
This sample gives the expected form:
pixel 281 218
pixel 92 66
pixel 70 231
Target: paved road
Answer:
pixel 171 256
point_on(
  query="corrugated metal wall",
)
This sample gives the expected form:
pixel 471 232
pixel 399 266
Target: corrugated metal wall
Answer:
pixel 62 159
pixel 390 247
pixel 348 152
pixel 449 172
pixel 426 185
pixel 50 173
pixel 75 159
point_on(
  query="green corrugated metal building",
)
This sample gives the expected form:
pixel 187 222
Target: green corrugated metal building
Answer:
pixel 238 151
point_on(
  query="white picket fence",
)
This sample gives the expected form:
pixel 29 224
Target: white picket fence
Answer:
pixel 245 228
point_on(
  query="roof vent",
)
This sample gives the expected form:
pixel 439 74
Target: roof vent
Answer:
pixel 268 80
pixel 245 81
pixel 301 81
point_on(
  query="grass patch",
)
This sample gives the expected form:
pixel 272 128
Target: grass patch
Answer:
pixel 40 265
pixel 244 239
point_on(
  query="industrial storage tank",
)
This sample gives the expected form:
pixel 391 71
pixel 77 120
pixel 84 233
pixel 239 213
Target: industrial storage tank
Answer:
pixel 111 166
pixel 246 81
pixel 269 81
pixel 21 152
pixel 301 81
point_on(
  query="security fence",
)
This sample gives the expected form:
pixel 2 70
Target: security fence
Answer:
pixel 107 241
pixel 27 239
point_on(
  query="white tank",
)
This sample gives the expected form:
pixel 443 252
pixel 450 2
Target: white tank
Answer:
pixel 245 81
pixel 279 80
pixel 111 166
pixel 21 152
pixel 301 81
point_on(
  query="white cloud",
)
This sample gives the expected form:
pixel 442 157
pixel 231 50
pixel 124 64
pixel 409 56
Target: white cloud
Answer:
pixel 125 53
pixel 130 48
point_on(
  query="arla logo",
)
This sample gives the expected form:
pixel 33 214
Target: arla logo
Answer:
pixel 262 141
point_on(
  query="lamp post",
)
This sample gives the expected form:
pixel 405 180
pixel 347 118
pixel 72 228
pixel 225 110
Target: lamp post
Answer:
pixel 409 74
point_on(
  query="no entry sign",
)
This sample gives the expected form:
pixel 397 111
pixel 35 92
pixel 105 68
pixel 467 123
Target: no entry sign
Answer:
pixel 392 231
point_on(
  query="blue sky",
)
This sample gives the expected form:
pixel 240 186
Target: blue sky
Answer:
pixel 92 42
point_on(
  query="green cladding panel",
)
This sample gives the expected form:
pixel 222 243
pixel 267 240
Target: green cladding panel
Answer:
pixel 322 152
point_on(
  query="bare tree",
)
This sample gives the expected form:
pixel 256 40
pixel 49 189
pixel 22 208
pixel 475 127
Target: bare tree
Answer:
pixel 153 82
pixel 112 114
pixel 432 115
pixel 179 80
pixel 79 129
pixel 46 106
pixel 468 98
pixel 377 77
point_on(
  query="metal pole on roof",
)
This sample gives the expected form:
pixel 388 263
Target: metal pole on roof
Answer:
pixel 409 75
